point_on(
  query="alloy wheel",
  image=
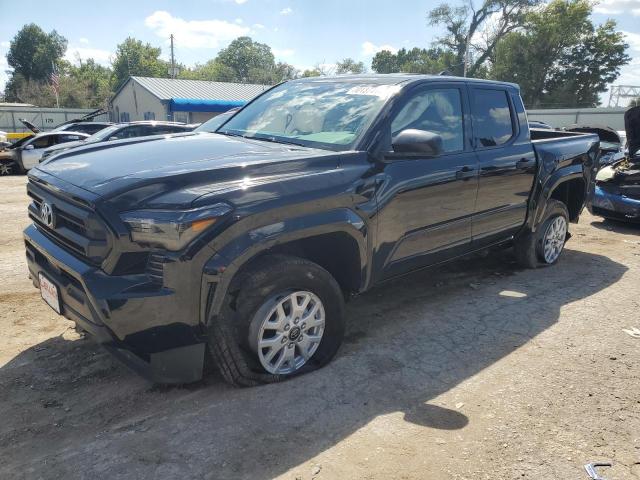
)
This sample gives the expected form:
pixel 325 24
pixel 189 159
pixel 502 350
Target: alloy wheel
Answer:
pixel 290 329
pixel 554 238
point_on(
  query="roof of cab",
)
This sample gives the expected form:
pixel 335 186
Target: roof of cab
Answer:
pixel 400 78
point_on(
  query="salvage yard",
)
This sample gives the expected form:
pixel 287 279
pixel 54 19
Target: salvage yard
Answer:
pixel 474 370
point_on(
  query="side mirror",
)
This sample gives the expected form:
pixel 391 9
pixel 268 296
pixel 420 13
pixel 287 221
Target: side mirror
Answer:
pixel 29 147
pixel 417 141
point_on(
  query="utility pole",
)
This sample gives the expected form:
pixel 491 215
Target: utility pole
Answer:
pixel 173 60
pixel 466 57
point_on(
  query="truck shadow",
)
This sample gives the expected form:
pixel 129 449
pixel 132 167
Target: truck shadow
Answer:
pixel 408 341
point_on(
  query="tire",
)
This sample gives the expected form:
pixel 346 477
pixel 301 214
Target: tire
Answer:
pixel 529 248
pixel 8 168
pixel 250 310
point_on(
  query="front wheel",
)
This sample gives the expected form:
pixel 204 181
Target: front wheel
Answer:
pixel 7 168
pixel 284 316
pixel 544 246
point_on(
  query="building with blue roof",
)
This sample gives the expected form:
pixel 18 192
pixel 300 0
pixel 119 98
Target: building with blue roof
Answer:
pixel 188 101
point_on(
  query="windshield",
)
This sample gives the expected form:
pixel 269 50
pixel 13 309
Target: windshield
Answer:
pixel 22 141
pixel 214 123
pixel 328 115
pixel 102 134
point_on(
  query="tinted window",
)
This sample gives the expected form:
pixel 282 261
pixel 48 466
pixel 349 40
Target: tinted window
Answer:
pixel 149 115
pixel 69 138
pixel 42 142
pixel 438 111
pixel 89 128
pixel 492 123
pixel 124 117
pixel 163 129
pixel 130 132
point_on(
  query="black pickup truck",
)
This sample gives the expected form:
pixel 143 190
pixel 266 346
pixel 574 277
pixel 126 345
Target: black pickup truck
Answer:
pixel 242 245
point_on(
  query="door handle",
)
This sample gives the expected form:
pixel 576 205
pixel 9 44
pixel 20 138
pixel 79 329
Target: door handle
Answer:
pixel 465 173
pixel 523 163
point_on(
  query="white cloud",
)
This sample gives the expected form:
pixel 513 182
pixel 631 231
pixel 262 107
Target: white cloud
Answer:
pixel 4 44
pixel 193 33
pixel 284 52
pixel 618 7
pixel 84 41
pixel 240 2
pixel 258 26
pixel 103 57
pixel 239 21
pixel 369 49
pixel 286 11
pixel 633 39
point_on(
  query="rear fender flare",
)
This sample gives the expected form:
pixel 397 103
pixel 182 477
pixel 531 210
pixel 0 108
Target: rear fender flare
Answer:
pixel 557 178
pixel 221 268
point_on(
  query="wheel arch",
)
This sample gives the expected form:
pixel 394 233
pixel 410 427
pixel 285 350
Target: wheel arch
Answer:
pixel 336 240
pixel 567 186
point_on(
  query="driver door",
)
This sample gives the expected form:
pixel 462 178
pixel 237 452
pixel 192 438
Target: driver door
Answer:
pixel 426 202
pixel 32 152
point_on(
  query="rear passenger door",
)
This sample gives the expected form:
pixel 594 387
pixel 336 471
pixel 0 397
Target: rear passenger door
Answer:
pixel 506 160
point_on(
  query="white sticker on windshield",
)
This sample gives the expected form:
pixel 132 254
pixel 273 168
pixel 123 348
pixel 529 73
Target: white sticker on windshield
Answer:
pixel 373 90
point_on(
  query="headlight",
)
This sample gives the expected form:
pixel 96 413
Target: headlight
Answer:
pixel 172 229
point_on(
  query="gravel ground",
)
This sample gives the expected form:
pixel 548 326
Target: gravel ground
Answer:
pixel 475 370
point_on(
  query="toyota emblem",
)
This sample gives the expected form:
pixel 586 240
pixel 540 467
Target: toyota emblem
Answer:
pixel 46 214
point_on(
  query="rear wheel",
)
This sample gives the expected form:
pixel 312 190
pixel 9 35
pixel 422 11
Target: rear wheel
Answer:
pixel 545 245
pixel 283 317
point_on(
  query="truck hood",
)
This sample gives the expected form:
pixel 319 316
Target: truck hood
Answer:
pixel 606 134
pixel 188 165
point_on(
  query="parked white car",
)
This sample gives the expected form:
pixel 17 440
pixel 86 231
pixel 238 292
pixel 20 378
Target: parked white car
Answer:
pixel 26 153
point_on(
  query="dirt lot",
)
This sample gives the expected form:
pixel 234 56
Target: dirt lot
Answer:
pixel 475 370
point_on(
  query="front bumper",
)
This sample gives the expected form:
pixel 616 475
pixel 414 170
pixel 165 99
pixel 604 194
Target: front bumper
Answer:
pixel 614 206
pixel 141 324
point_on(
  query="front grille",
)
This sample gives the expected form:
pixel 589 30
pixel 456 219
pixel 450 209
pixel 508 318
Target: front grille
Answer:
pixel 76 228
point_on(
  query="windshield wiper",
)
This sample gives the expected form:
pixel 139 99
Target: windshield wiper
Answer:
pixel 276 140
pixel 228 133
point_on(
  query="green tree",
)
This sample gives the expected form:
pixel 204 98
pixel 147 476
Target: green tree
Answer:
pixel 416 60
pixel 284 71
pixel 560 58
pixel 32 52
pixel 314 72
pixel 385 62
pixel 472 34
pixel 250 62
pixel 133 58
pixel 92 81
pixel 349 66
pixel 212 71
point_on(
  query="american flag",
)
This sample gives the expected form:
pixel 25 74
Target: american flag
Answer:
pixel 55 79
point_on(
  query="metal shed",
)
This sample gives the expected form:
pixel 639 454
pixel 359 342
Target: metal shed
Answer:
pixel 189 101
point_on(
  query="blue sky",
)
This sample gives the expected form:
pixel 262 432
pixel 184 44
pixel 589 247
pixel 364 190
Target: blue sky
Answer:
pixel 300 32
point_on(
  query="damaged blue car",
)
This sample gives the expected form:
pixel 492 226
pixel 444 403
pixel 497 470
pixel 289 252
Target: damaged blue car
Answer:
pixel 616 193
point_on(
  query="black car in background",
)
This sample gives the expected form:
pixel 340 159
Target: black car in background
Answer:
pixel 121 131
pixel 216 122
pixel 83 127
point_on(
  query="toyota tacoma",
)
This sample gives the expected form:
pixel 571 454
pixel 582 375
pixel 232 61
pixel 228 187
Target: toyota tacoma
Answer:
pixel 242 245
